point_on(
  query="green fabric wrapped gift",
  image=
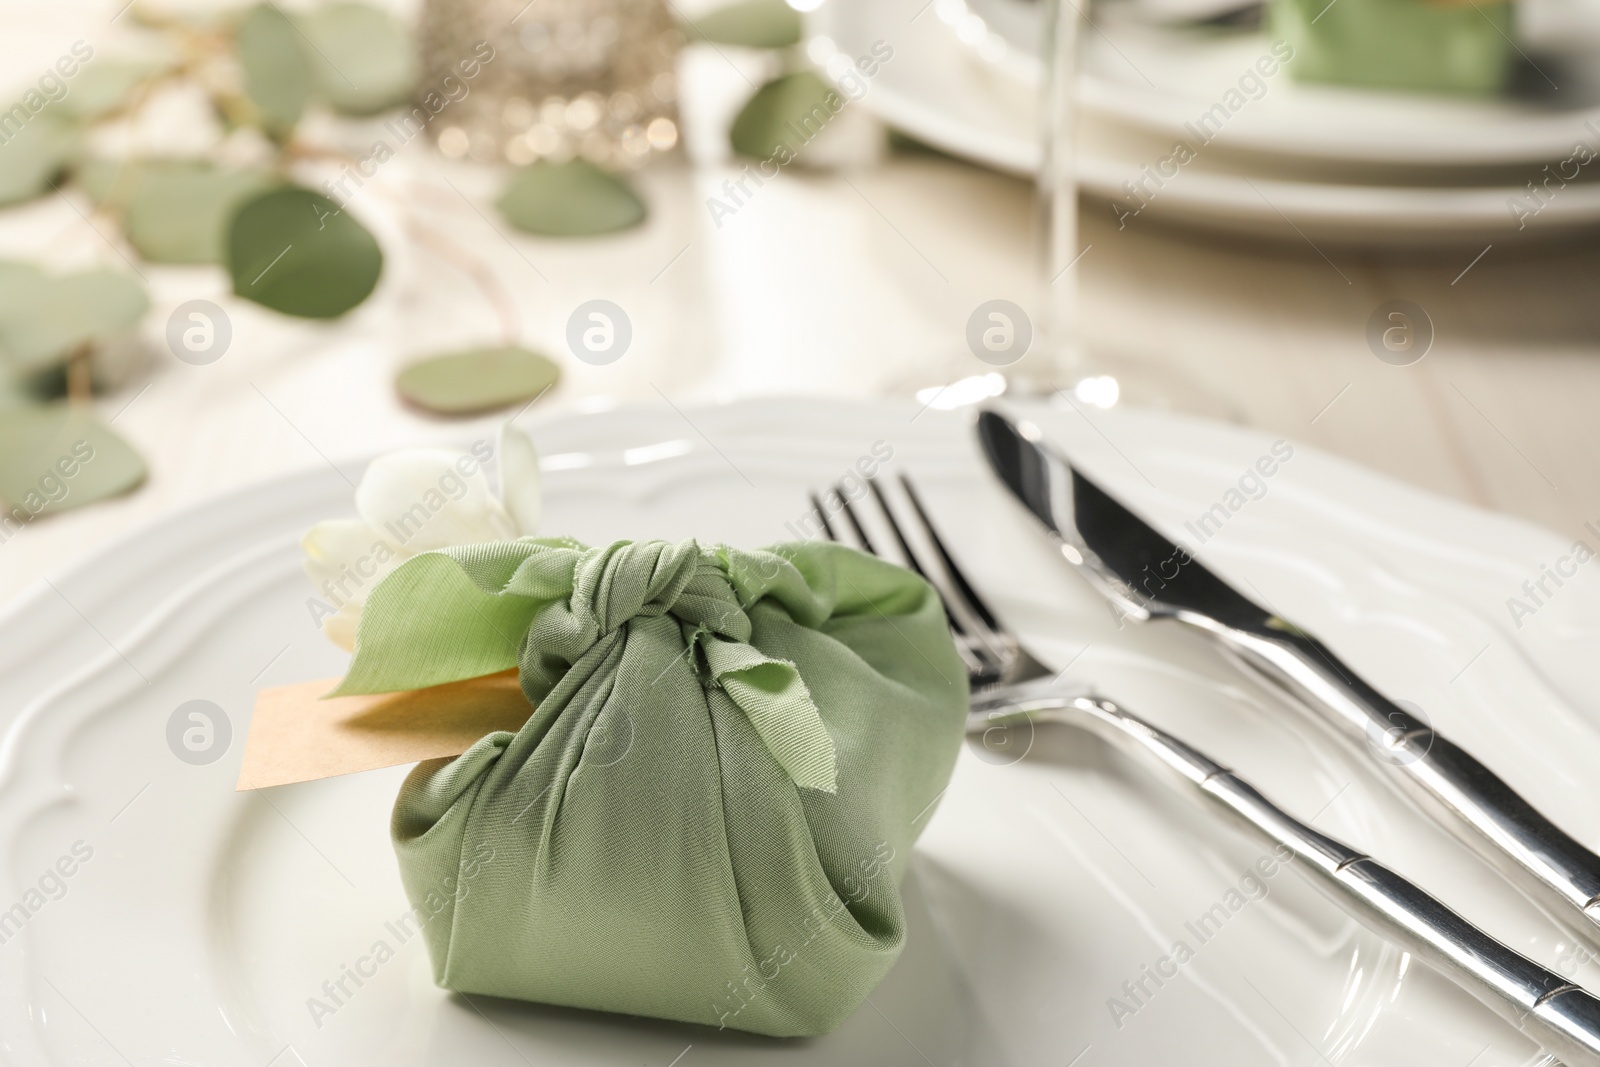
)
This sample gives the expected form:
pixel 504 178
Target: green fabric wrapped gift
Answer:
pixel 1428 45
pixel 708 815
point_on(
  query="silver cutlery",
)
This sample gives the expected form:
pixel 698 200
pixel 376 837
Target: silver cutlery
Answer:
pixel 1012 687
pixel 1145 576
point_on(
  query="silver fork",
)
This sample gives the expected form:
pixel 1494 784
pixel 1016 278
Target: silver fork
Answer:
pixel 1013 689
pixel 993 656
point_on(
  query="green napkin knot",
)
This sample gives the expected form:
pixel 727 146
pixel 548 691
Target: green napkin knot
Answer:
pixel 708 815
pixel 545 603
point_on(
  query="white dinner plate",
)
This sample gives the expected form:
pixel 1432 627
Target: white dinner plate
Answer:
pixel 197 923
pixel 1302 161
pixel 1159 76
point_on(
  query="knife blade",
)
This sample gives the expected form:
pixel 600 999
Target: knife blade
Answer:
pixel 1148 576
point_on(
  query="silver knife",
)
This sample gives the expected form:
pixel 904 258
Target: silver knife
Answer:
pixel 1146 576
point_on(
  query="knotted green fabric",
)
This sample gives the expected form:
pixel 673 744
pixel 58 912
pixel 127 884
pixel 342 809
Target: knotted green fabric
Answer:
pixel 708 815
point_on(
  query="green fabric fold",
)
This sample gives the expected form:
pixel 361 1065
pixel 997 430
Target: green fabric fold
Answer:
pixel 1459 46
pixel 708 814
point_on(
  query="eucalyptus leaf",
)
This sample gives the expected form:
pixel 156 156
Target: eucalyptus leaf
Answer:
pixel 59 456
pixel 179 211
pixel 23 289
pixel 784 116
pixel 104 85
pixel 297 252
pixel 12 395
pixel 100 178
pixel 174 211
pixel 12 271
pixel 362 59
pixel 465 383
pixel 750 24
pixel 112 364
pixel 572 199
pixel 277 76
pixel 14 390
pixel 34 148
pixel 44 319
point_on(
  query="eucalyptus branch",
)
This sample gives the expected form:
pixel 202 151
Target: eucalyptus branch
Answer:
pixel 80 374
pixel 475 268
pixel 457 255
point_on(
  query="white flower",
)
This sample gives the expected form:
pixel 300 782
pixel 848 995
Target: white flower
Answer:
pixel 410 502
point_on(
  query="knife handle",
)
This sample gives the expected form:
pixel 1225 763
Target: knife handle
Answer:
pixel 1556 872
pixel 1560 1017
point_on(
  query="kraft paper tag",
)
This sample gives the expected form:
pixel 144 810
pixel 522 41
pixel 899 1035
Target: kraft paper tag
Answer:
pixel 296 736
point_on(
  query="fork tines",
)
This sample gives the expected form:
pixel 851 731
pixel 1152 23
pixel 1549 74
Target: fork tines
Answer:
pixel 899 519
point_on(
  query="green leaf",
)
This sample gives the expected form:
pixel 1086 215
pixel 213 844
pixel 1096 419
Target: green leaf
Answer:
pixel 43 319
pixel 174 211
pixel 295 251
pixel 179 212
pixel 362 59
pixel 573 199
pixel 461 635
pixel 783 117
pixel 100 178
pixel 103 85
pixel 12 395
pixel 465 383
pixel 13 272
pixel 59 456
pixel 750 24
pixel 277 76
pixel 34 149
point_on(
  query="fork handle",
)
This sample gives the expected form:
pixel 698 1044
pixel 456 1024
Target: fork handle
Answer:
pixel 1552 869
pixel 1560 1017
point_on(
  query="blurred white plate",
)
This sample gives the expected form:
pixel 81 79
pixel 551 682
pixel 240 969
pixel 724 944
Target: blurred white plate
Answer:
pixel 1339 165
pixel 204 921
pixel 1158 77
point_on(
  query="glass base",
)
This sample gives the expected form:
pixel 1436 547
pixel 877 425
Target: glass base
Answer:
pixel 1083 381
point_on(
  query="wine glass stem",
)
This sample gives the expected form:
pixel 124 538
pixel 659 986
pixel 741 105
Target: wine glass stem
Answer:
pixel 1059 359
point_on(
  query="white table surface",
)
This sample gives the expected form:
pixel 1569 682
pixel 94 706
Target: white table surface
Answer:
pixel 847 285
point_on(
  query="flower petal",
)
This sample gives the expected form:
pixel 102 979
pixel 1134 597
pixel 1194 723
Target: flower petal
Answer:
pixel 340 627
pixel 345 558
pixel 419 499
